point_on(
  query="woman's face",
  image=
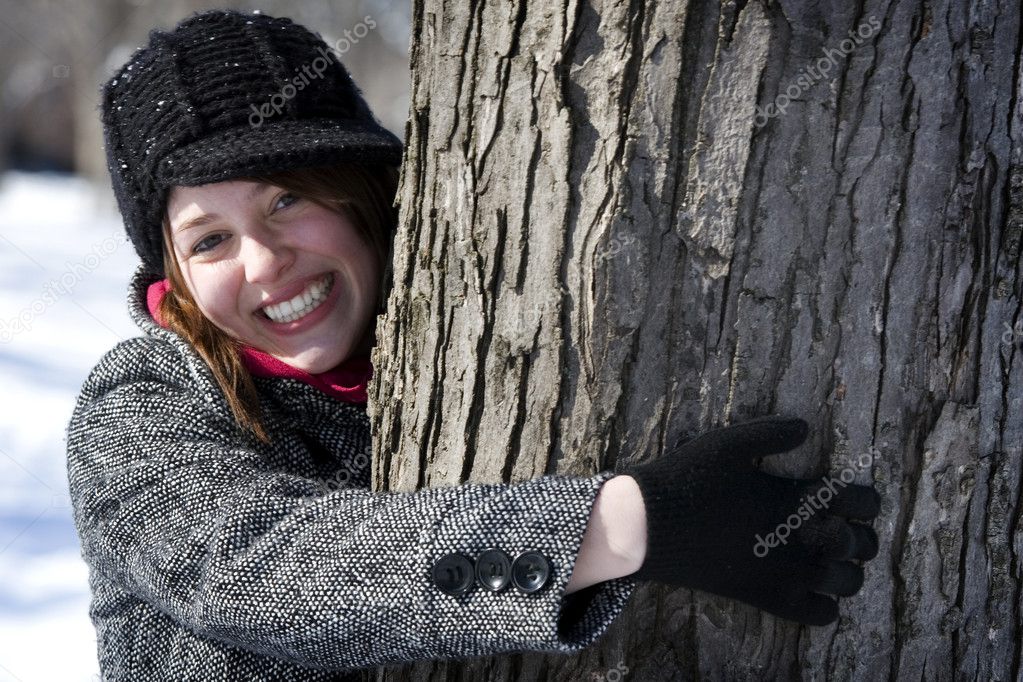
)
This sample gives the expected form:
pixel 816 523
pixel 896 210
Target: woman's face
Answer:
pixel 275 271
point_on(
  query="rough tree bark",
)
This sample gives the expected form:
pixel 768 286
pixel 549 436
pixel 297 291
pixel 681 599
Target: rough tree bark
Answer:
pixel 609 240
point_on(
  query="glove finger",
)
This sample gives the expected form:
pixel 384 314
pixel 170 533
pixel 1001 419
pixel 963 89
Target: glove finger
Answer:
pixel 756 438
pixel 866 542
pixel 809 608
pixel 835 538
pixel 829 537
pixel 842 578
pixel 851 500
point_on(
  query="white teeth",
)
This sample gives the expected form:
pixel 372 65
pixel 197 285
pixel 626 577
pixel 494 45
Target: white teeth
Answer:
pixel 303 304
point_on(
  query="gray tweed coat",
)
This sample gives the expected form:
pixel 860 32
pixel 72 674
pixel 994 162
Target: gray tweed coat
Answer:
pixel 214 557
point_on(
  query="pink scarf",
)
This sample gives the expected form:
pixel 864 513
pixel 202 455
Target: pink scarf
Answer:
pixel 347 381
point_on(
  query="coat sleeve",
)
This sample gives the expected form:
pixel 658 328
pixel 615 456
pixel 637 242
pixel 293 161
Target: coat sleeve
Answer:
pixel 172 506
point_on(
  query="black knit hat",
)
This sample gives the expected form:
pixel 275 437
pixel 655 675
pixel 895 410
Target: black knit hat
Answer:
pixel 225 95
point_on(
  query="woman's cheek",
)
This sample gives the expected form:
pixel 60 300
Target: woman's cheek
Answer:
pixel 209 299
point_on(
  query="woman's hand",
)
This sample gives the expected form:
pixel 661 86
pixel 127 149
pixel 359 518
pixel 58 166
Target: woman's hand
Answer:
pixel 717 524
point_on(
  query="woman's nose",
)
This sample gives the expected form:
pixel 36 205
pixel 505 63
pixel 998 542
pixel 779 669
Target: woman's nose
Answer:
pixel 264 256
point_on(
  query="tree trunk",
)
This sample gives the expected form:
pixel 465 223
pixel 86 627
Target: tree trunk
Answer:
pixel 626 222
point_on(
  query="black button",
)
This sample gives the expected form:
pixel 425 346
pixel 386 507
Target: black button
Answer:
pixel 493 569
pixel 530 571
pixel 453 573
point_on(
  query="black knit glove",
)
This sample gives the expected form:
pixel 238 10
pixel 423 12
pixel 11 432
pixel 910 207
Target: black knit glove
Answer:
pixel 715 523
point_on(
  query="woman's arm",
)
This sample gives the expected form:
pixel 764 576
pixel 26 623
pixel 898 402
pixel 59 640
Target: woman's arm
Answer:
pixel 172 509
pixel 615 541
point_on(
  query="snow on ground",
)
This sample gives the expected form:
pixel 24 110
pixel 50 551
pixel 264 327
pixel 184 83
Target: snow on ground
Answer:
pixel 64 270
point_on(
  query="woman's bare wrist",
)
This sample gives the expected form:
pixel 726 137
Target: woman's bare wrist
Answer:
pixel 614 544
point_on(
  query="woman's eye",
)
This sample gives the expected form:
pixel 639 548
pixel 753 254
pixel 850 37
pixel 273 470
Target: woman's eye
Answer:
pixel 285 200
pixel 198 248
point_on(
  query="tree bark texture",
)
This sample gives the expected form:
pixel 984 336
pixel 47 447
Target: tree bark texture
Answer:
pixel 627 222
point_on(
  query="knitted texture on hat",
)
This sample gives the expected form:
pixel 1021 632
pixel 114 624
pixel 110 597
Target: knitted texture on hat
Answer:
pixel 225 95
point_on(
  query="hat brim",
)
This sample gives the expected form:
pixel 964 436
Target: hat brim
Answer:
pixel 278 145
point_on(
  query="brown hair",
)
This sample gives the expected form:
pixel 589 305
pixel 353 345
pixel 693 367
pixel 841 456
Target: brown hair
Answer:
pixel 365 192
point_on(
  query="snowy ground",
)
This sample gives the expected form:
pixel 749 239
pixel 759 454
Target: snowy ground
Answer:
pixel 64 270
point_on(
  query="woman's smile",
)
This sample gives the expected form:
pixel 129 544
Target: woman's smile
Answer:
pixel 309 307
